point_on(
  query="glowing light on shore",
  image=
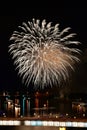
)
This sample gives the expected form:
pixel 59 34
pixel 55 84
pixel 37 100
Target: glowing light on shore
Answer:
pixel 43 54
pixel 43 123
pixel 10 123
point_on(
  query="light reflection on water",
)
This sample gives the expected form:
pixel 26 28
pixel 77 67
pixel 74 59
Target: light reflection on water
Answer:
pixel 62 107
pixel 39 105
pixel 26 106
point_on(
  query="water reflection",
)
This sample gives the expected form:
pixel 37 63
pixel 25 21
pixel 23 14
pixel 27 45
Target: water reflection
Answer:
pixel 39 105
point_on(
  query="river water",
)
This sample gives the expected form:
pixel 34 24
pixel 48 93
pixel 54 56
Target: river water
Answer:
pixel 29 107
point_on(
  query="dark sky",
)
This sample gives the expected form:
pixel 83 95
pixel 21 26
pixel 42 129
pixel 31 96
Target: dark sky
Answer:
pixel 76 18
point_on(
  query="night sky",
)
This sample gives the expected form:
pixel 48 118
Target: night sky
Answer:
pixel 76 18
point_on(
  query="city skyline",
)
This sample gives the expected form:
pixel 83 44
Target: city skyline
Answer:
pixel 74 17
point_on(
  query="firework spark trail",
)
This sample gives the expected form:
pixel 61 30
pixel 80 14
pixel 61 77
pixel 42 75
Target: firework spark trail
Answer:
pixel 42 53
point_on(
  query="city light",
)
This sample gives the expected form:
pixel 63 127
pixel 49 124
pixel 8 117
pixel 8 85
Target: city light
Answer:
pixel 61 125
pixel 10 123
pixel 62 128
pixel 55 124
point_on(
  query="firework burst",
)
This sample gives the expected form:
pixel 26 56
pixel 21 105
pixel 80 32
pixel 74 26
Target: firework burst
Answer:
pixel 43 54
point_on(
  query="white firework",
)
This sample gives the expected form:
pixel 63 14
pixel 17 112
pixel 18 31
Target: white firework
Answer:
pixel 43 54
